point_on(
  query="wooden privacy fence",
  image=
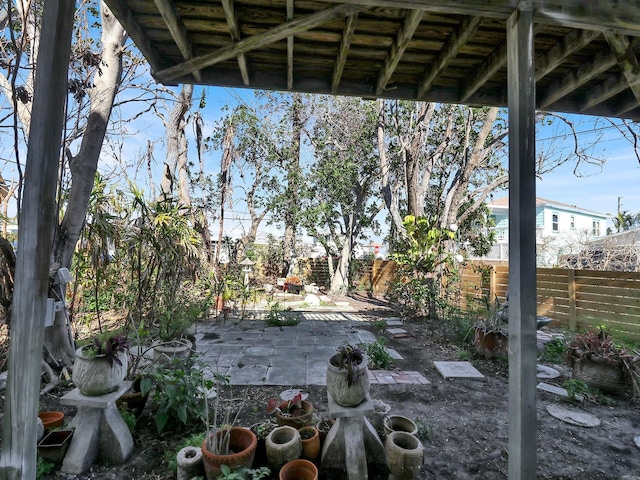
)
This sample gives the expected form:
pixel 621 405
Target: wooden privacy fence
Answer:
pixel 573 298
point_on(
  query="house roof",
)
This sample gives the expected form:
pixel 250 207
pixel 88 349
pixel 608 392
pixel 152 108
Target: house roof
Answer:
pixel 450 51
pixel 503 202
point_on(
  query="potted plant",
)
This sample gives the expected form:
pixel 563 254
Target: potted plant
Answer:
pixel 348 376
pixel 601 364
pixel 295 412
pixel 491 334
pixel 262 430
pixel 310 438
pixel 101 366
pixel 299 469
pixel 292 284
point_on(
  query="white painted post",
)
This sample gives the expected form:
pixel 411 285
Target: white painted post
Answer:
pixel 522 245
pixel 35 235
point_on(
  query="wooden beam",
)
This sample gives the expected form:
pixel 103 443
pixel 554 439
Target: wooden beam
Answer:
pixel 37 220
pixel 411 21
pixel 289 48
pixel 345 44
pixel 458 39
pixel 522 246
pixel 177 30
pixel 627 61
pixel 234 30
pixel 495 62
pixel 572 42
pixel 602 62
pixel 623 17
pixel 258 40
pixel 611 87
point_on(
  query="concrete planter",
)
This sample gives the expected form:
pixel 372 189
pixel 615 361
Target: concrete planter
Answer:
pixel 339 388
pixel 283 445
pixel 165 352
pixel 94 376
pixel 404 455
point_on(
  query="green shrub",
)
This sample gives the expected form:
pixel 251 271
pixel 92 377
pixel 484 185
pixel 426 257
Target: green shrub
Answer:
pixel 378 355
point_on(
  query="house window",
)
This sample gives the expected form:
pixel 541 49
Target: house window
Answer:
pixel 554 222
pixel 595 230
pixel 573 222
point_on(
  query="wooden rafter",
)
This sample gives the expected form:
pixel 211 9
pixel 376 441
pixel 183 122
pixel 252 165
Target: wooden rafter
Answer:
pixel 496 61
pixel 234 31
pixel 601 63
pixel 178 31
pixel 345 44
pixel 611 87
pixel 627 61
pixel 290 47
pixel 571 43
pixel 411 22
pixel 458 39
pixel 583 14
pixel 258 40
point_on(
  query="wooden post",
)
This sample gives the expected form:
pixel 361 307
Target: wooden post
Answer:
pixel 571 281
pixel 492 284
pixel 35 235
pixel 522 245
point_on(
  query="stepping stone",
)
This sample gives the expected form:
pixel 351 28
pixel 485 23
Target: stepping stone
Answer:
pixel 552 389
pixel 394 354
pixel 341 304
pixel 396 331
pixel 547 372
pixel 393 322
pixel 457 370
pixel 573 416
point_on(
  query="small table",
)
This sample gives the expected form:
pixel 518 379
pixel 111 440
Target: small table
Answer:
pixel 100 432
pixel 352 440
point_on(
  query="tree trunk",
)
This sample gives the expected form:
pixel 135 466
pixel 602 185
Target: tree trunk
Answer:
pixel 83 168
pixel 176 158
pixel 340 279
pixel 293 178
pixel 228 152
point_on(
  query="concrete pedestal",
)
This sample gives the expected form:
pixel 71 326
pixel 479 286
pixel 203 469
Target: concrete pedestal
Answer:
pixel 100 432
pixel 352 440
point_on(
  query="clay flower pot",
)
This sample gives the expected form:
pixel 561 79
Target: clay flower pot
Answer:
pixel 491 344
pixel 298 420
pixel 310 438
pixel 242 444
pixel 51 420
pixel 133 399
pixel 299 470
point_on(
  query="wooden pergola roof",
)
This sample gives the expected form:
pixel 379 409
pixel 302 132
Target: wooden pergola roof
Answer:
pixel 447 51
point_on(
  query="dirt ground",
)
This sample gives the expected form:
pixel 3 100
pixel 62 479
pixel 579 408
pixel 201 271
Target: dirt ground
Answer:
pixel 467 421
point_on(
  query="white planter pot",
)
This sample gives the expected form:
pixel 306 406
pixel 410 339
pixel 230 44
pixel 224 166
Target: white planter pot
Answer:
pixel 404 455
pixel 94 376
pixel 165 352
pixel 340 390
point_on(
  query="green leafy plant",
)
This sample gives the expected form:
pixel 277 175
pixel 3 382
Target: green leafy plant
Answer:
pixel 263 429
pixel 554 351
pixel 347 358
pixel 277 318
pixel 108 348
pixel 180 390
pixel 379 357
pixel 129 418
pixel 424 430
pixel 243 473
pixel 464 355
pixel 576 389
pixel 44 467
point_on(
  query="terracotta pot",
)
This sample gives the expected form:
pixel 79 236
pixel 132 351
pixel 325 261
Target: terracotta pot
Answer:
pixel 53 447
pixel 51 420
pixel 339 388
pixel 242 446
pixel 299 470
pixel 297 421
pixel 283 445
pixel 491 344
pixel 310 438
pixel 404 455
pixel 398 423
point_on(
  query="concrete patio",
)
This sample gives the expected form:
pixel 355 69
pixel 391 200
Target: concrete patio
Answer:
pixel 253 353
